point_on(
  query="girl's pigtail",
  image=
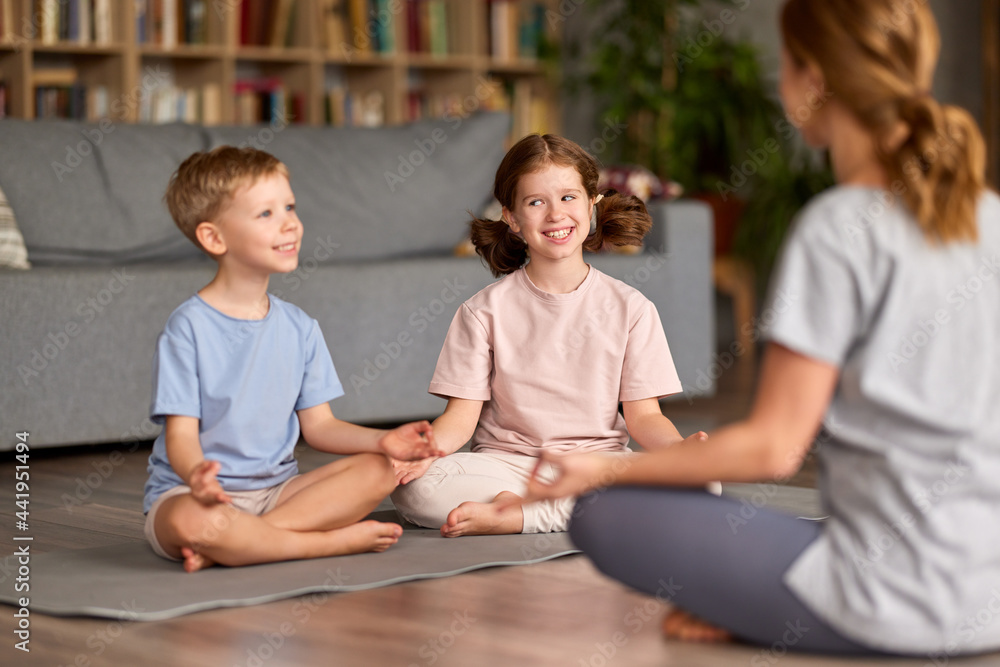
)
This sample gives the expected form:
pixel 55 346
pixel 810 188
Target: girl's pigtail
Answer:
pixel 502 250
pixel 622 220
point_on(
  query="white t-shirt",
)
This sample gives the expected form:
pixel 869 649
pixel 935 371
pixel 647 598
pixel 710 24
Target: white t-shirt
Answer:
pixel 910 454
pixel 552 368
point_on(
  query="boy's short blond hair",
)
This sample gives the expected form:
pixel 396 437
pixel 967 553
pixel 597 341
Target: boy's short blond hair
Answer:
pixel 207 181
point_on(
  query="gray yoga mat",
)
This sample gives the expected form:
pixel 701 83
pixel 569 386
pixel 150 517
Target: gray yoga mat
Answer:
pixel 129 582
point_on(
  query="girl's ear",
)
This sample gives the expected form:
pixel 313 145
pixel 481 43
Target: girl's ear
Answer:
pixel 509 219
pixel 210 237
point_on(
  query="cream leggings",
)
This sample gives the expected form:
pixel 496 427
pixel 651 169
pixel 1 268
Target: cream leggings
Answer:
pixel 479 477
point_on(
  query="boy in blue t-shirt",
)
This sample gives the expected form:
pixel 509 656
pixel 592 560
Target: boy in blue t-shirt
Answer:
pixel 238 375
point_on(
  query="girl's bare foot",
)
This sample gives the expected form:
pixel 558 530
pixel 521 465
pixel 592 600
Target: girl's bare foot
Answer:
pixel 679 624
pixel 194 561
pixel 485 518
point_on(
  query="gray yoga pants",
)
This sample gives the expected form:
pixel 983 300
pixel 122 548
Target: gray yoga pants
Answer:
pixel 678 545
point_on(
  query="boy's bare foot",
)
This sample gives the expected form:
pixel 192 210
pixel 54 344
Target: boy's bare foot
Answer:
pixel 365 536
pixel 194 561
pixel 471 518
pixel 679 624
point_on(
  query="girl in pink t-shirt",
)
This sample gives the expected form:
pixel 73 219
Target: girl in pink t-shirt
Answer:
pixel 541 359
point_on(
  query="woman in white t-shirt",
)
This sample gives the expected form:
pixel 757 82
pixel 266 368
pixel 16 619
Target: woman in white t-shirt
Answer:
pixel 540 360
pixel 887 334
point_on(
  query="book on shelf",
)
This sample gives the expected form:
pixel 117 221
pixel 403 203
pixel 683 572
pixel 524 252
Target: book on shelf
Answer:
pixel 346 108
pixel 427 24
pixel 6 20
pixel 169 103
pixel 516 29
pixel 333 20
pixel 58 93
pixel 266 100
pixel 77 21
pixel 168 23
pixel 371 25
pixel 357 12
pixel 280 23
pixel 267 22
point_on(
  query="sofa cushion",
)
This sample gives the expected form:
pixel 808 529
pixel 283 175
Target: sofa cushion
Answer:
pixel 95 195
pixel 385 192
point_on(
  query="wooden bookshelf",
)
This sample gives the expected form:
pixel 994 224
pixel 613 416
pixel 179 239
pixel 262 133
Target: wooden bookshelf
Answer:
pixel 991 86
pixel 300 55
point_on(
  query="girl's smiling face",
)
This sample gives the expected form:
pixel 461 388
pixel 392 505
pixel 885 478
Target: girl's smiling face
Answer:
pixel 551 212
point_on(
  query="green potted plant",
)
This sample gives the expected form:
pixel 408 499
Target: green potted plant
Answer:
pixel 700 112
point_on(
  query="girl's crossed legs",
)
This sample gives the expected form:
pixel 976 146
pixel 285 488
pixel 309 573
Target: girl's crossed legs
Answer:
pixel 679 545
pixel 458 494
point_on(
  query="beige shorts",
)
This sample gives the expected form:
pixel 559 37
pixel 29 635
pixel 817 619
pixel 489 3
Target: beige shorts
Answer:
pixel 256 502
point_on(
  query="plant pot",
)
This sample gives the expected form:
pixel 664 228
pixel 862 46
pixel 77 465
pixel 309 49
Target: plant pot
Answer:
pixel 726 216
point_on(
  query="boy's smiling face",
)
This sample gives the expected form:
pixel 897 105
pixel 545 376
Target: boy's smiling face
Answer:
pixel 259 229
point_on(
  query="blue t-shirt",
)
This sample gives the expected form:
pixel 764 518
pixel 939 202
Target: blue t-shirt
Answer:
pixel 244 381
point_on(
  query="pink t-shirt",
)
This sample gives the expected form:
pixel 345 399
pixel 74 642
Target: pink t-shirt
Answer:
pixel 552 368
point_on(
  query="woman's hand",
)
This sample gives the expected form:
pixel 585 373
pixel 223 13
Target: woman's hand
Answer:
pixel 407 471
pixel 410 442
pixel 205 486
pixel 574 474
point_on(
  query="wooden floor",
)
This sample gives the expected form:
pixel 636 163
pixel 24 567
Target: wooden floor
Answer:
pixel 561 612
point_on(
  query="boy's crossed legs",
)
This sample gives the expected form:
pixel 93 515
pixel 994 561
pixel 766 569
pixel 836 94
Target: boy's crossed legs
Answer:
pixel 317 514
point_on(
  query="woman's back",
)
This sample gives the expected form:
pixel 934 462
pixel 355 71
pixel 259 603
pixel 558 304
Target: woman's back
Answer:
pixel 910 451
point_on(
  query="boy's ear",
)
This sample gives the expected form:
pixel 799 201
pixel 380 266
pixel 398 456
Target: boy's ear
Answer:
pixel 210 237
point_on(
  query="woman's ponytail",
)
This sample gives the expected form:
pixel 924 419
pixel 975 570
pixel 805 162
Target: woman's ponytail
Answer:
pixel 942 166
pixel 622 220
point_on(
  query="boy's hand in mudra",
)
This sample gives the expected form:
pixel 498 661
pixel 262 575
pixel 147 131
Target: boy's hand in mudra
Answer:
pixel 410 442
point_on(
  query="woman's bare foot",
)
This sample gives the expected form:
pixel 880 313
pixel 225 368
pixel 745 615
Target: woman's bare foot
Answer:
pixel 679 624
pixel 485 518
pixel 363 537
pixel 194 561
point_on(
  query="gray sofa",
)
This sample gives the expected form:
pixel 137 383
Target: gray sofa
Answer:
pixel 382 209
